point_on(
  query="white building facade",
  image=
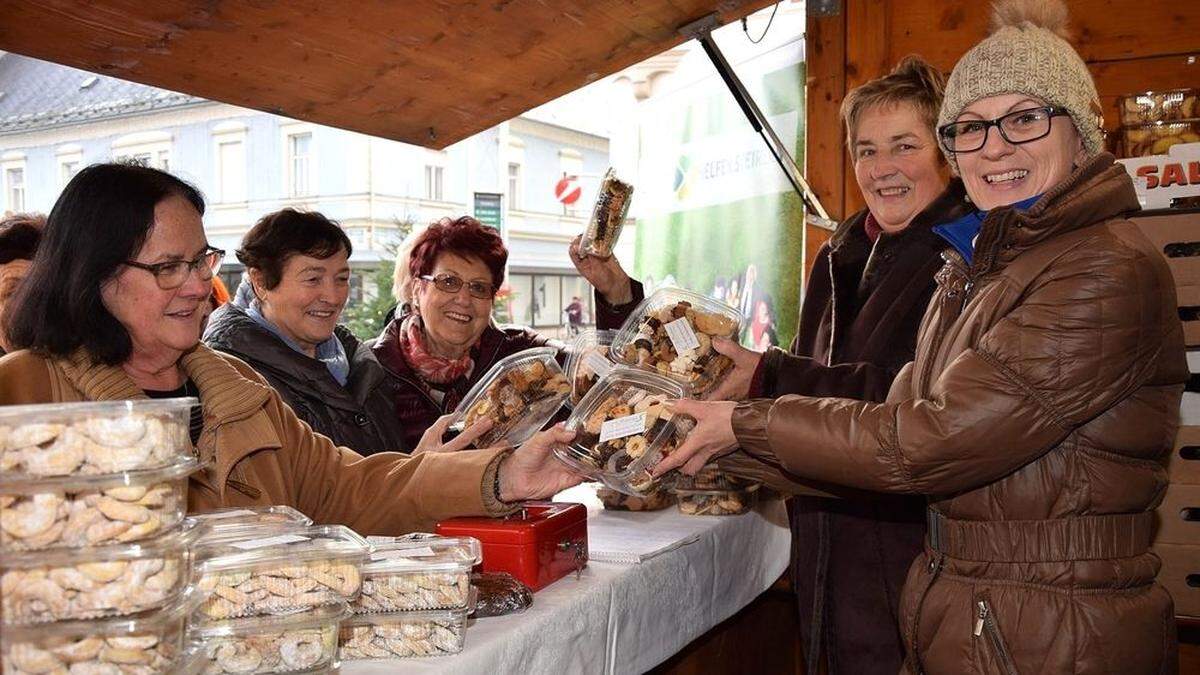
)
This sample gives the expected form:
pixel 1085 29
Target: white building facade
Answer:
pixel 55 120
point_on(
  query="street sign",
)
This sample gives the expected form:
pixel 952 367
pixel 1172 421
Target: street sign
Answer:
pixel 488 209
pixel 568 190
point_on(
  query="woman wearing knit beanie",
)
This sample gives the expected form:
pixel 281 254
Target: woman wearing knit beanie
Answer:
pixel 1043 400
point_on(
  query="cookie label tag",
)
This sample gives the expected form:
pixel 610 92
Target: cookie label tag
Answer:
pixel 597 364
pixel 221 515
pixel 681 334
pixel 252 544
pixel 422 552
pixel 621 427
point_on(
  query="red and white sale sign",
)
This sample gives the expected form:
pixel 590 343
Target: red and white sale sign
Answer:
pixel 1161 178
pixel 568 190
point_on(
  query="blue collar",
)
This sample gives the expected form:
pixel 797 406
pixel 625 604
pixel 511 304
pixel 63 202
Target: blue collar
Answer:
pixel 962 233
pixel 330 352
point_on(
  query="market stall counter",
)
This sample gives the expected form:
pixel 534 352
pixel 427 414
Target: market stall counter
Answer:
pixel 626 617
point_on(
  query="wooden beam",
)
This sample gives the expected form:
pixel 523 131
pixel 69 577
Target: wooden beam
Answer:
pixel 421 72
pixel 824 160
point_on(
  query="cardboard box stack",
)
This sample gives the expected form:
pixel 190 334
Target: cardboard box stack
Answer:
pixel 1177 542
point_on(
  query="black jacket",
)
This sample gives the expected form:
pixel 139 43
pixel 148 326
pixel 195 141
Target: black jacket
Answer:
pixel 858 328
pixel 359 416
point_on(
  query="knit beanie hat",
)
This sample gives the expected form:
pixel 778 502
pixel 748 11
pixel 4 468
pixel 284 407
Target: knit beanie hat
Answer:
pixel 1027 53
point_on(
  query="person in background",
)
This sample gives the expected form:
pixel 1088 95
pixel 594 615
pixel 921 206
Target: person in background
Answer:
pixel 1043 402
pixel 762 330
pixel 284 319
pixel 575 315
pixel 112 310
pixel 20 235
pixel 718 291
pixel 220 294
pixel 870 286
pixel 445 340
pixel 402 281
pixel 748 302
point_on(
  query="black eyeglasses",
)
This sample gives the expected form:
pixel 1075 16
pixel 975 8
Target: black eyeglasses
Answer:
pixel 1017 127
pixel 172 275
pixel 452 284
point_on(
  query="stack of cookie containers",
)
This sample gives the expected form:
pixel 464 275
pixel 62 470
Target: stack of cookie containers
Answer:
pixel 415 598
pixel 95 554
pixel 274 590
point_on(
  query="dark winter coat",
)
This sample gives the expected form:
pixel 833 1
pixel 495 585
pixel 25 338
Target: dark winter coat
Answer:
pixel 858 327
pixel 358 415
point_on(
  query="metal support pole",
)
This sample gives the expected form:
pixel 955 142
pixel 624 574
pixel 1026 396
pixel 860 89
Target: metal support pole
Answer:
pixel 701 31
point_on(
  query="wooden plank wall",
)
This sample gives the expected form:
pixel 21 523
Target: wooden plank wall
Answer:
pixel 1129 45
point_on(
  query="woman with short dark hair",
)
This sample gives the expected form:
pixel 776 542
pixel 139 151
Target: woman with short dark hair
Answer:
pixel 443 339
pixel 20 235
pixel 283 321
pixel 113 311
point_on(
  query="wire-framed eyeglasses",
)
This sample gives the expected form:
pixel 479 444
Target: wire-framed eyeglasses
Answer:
pixel 173 274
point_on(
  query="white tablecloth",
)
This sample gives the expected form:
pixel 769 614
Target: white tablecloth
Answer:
pixel 626 618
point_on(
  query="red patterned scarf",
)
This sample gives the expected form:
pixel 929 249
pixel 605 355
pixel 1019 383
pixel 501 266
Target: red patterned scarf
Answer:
pixel 871 227
pixel 434 369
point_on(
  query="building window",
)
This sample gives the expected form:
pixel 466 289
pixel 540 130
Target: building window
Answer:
pixel 514 186
pixel 231 276
pixel 231 170
pixel 14 187
pixel 434 182
pixel 541 300
pixel 67 169
pixel 299 148
pixel 70 161
pixel 160 159
pixel 147 148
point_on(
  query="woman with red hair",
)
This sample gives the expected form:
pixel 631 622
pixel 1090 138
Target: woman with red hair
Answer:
pixel 444 339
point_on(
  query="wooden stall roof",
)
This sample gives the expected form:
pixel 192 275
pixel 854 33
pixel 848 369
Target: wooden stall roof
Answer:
pixel 427 72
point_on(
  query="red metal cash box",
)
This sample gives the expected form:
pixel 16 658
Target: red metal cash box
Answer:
pixel 540 544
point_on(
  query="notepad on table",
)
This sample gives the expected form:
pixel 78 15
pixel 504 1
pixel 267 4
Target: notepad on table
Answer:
pixel 618 541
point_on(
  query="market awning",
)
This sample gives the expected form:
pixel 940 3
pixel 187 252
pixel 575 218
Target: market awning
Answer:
pixel 428 73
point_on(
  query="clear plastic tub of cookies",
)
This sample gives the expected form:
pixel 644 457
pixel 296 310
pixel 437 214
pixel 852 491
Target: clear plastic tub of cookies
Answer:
pixel 520 394
pixel 587 362
pixel 711 477
pixel 237 523
pixel 92 438
pixel 116 580
pixel 717 502
pixel 272 571
pixel 1159 106
pixel 299 642
pixel 149 642
pixel 608 216
pixel 437 632
pixel 623 429
pixel 404 574
pixel 81 511
pixel 671 333
pixel 654 500
pixel 1144 140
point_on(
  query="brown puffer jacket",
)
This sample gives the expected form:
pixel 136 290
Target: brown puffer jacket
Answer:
pixel 1036 417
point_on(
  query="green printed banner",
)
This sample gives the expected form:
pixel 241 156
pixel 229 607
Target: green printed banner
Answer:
pixel 717 214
